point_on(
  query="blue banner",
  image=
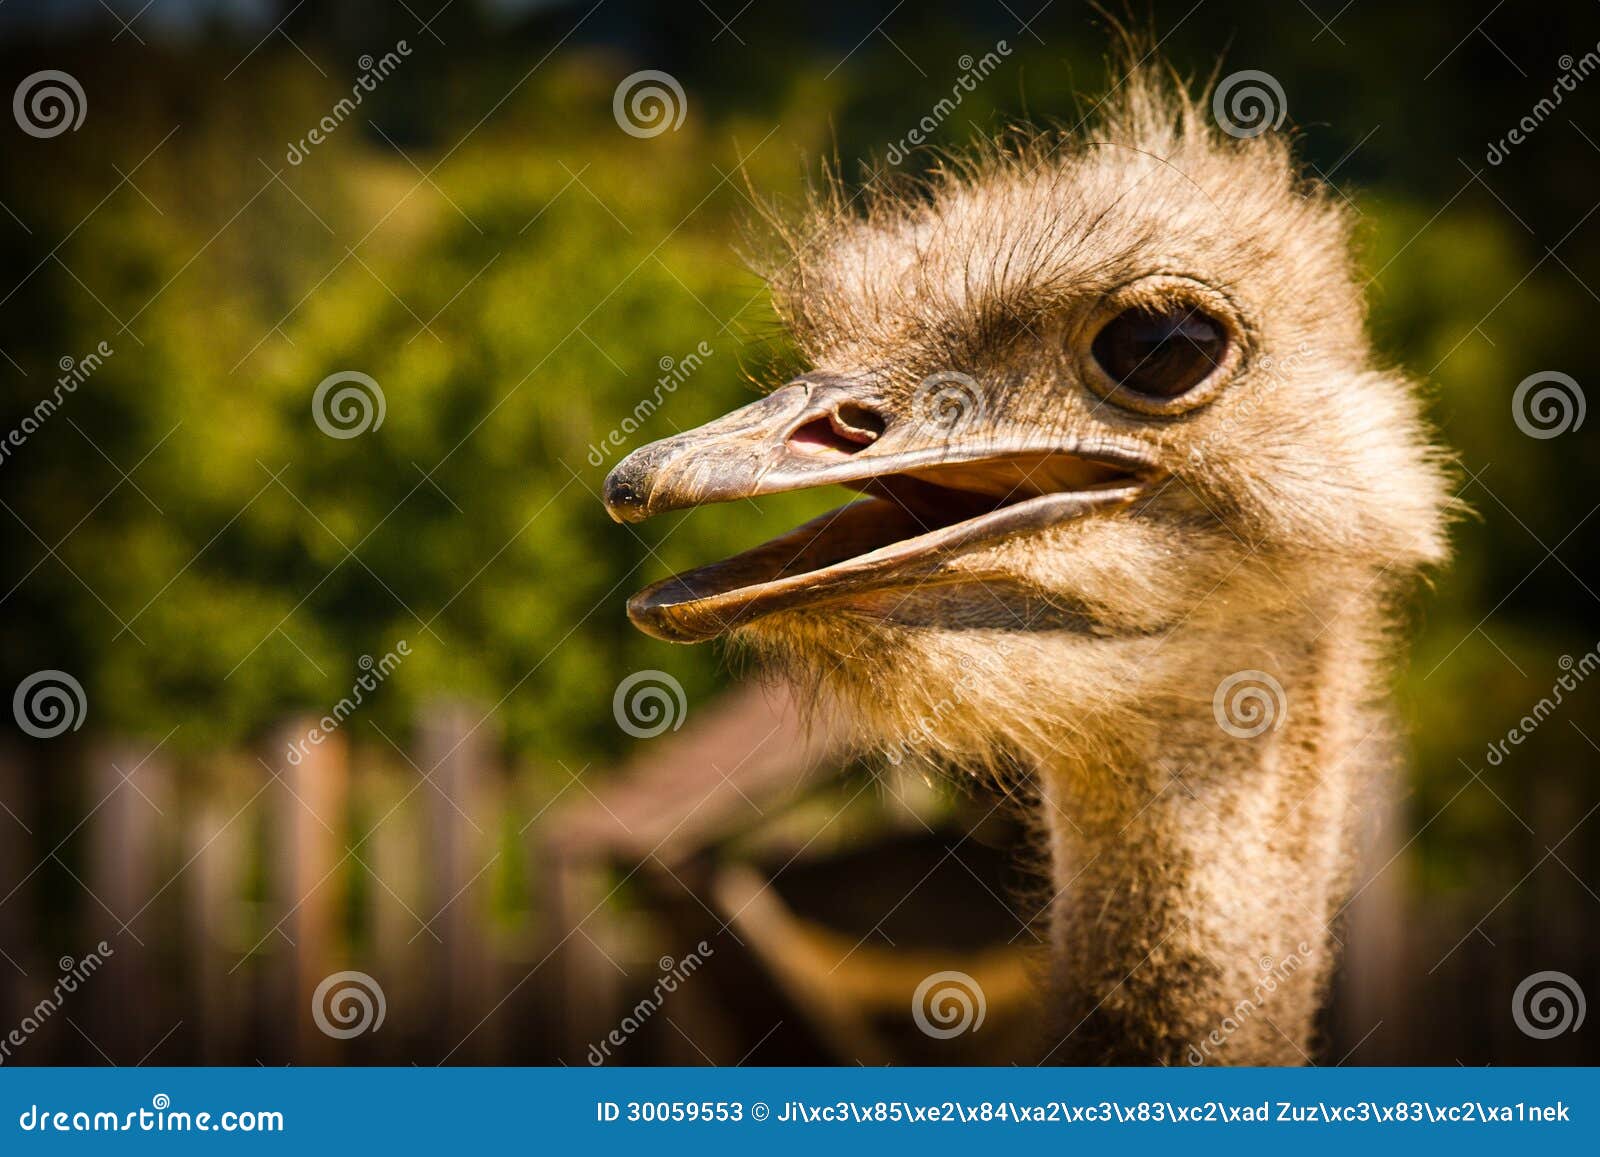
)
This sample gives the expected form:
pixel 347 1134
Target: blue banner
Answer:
pixel 710 1111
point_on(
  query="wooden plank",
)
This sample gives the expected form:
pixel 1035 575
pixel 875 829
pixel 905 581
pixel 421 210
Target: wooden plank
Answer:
pixel 397 888
pixel 308 807
pixel 218 824
pixel 130 792
pixel 454 755
pixel 1373 1006
pixel 19 854
pixel 683 790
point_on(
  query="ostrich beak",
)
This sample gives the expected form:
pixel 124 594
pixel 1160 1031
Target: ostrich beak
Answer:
pixel 939 484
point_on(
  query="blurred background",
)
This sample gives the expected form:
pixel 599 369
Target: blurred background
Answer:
pixel 531 834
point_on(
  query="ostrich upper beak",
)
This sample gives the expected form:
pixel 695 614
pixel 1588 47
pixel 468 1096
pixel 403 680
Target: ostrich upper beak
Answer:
pixel 940 483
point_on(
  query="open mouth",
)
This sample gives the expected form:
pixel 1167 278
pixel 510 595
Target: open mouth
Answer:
pixel 914 528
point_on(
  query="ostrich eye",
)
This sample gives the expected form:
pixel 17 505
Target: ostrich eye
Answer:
pixel 1161 352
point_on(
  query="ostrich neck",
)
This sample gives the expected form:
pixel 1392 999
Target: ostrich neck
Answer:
pixel 1197 873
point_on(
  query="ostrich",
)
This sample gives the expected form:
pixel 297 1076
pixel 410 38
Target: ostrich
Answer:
pixel 1141 506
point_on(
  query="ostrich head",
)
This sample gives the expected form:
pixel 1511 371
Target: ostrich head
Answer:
pixel 1112 408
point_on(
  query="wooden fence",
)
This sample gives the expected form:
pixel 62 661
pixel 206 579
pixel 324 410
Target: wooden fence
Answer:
pixel 226 890
pixel 511 914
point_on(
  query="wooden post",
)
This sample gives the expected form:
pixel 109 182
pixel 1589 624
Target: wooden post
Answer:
pixel 216 849
pixel 18 855
pixel 454 754
pixel 309 869
pixel 396 850
pixel 582 986
pixel 129 788
pixel 1375 976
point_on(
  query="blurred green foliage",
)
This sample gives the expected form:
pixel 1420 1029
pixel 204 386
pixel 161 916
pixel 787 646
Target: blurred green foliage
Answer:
pixel 513 306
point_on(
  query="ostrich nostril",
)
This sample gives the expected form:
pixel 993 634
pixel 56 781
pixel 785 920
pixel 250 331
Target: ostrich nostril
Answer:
pixel 848 428
pixel 857 422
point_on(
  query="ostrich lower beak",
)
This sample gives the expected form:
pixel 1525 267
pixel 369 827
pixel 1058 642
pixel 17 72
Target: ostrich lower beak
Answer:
pixel 936 491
